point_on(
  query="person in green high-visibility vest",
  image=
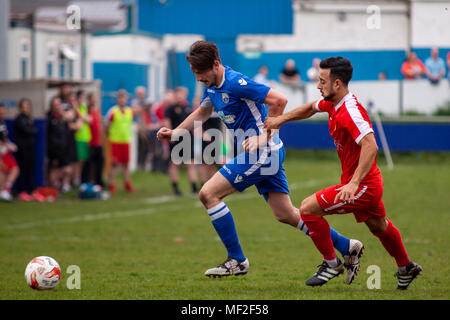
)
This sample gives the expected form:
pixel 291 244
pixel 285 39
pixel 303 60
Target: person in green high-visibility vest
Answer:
pixel 82 137
pixel 118 126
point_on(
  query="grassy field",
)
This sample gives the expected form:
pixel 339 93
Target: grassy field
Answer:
pixel 151 246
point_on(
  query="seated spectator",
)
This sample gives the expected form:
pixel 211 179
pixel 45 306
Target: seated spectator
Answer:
pixel 9 170
pixel 313 72
pixel 261 76
pixel 25 133
pixel 435 66
pixel 289 74
pixel 413 68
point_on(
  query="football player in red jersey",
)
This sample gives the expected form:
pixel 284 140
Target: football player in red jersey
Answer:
pixel 361 188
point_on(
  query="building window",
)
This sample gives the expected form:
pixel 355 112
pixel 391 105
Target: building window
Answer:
pixel 24 68
pixel 52 57
pixel 25 57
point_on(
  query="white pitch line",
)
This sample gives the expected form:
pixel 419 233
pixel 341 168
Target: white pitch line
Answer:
pixel 147 211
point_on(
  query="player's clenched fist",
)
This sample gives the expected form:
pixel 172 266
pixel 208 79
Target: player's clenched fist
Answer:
pixel 272 123
pixel 164 134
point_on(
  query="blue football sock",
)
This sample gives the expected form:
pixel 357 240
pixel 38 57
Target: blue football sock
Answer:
pixel 223 222
pixel 340 242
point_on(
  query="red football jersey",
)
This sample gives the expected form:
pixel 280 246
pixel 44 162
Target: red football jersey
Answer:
pixel 348 124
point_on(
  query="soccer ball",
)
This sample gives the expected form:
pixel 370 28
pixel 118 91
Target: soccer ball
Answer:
pixel 43 273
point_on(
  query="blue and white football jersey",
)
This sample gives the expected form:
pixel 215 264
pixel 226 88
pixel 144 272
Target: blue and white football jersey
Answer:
pixel 239 103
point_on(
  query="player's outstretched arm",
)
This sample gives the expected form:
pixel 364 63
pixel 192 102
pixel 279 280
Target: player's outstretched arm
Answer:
pixel 303 112
pixel 200 114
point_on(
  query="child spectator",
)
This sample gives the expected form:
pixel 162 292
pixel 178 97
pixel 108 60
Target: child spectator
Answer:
pixel 9 170
pixel 118 125
pixel 82 138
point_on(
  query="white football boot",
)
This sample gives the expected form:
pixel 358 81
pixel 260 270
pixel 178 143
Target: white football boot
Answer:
pixel 229 267
pixel 352 260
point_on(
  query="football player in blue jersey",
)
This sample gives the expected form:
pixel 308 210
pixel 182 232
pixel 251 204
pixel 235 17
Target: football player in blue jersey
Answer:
pixel 240 103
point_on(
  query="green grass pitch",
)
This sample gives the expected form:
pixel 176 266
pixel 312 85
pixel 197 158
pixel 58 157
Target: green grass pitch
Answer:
pixel 150 246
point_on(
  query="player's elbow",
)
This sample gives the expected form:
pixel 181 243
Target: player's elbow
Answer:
pixel 279 106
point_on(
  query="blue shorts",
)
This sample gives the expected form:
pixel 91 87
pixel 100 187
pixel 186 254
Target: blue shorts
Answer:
pixel 265 171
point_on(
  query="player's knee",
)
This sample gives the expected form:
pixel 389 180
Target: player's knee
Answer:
pixel 206 197
pixel 305 207
pixel 377 225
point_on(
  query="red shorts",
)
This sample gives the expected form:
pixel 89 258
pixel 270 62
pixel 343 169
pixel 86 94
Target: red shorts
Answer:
pixel 120 153
pixel 367 202
pixel 8 162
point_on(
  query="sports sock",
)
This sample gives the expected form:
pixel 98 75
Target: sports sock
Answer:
pixel 391 239
pixel 194 187
pixel 340 242
pixel 223 222
pixel 175 188
pixel 319 231
pixel 332 263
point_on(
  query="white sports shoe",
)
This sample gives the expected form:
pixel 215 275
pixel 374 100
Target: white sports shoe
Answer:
pixel 5 195
pixel 229 267
pixel 352 260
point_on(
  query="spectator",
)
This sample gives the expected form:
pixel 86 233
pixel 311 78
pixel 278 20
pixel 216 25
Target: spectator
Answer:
pixel 118 125
pixel 290 74
pixel 148 126
pixel 210 145
pixel 174 116
pixel 82 137
pixel 435 67
pixel 382 76
pixel 313 72
pixel 448 65
pixel 160 109
pixel 137 104
pixel 413 68
pixel 73 122
pixel 169 99
pixel 9 170
pixel 94 165
pixel 140 99
pixel 56 143
pixel 261 76
pixel 25 133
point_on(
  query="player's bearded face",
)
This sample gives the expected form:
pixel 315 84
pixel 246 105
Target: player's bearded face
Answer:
pixel 325 85
pixel 208 77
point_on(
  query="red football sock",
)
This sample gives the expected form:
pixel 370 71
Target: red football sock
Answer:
pixel 319 231
pixel 392 242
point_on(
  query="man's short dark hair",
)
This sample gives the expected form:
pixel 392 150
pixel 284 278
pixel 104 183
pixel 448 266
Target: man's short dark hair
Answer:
pixel 202 55
pixel 340 68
